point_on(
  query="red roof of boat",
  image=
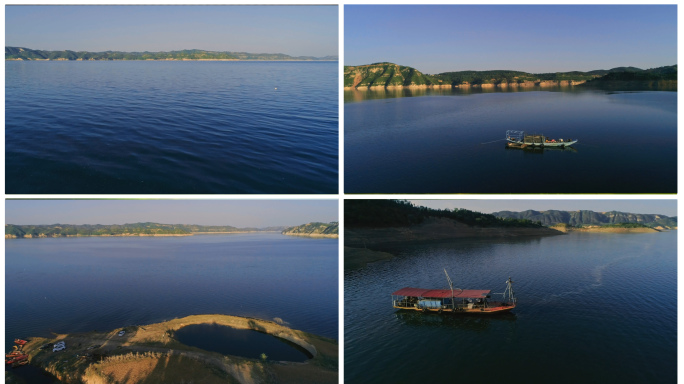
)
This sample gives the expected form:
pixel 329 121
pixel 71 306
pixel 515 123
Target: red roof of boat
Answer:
pixel 462 293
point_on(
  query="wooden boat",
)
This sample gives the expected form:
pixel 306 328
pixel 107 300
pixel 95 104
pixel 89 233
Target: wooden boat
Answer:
pixel 454 300
pixel 520 139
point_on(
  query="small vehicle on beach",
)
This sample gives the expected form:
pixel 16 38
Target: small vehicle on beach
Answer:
pixel 454 300
pixel 122 333
pixel 520 139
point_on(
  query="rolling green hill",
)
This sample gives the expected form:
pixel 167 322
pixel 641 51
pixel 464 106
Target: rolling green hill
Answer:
pixel 18 53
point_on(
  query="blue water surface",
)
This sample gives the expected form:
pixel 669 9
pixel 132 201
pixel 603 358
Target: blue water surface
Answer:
pixel 69 285
pixel 171 127
pixel 592 308
pixel 453 142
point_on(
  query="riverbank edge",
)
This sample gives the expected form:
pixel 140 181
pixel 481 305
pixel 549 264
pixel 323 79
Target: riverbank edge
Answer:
pixel 316 235
pixel 300 61
pixel 607 230
pixel 583 84
pixel 43 236
pixel 158 337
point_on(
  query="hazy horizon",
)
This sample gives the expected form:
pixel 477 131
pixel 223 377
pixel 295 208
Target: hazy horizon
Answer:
pixel 528 38
pixel 291 30
pixel 236 213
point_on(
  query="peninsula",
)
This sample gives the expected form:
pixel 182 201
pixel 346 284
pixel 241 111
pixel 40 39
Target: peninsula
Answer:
pixel 27 54
pixel 371 225
pixel 385 75
pixel 150 353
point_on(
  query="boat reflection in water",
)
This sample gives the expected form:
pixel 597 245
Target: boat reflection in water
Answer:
pixel 472 323
pixel 541 150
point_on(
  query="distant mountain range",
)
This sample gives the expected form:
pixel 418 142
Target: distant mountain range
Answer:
pixel 579 218
pixel 392 75
pixel 18 53
pixel 136 229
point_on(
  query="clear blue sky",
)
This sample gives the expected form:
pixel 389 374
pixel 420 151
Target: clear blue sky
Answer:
pixel 530 38
pixel 662 207
pixel 238 213
pixel 292 30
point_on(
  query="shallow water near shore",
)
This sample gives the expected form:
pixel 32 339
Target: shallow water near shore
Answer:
pixel 171 127
pixel 68 285
pixel 448 141
pixel 592 308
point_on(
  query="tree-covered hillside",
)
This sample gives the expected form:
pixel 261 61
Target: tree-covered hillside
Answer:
pixel 401 213
pixel 384 75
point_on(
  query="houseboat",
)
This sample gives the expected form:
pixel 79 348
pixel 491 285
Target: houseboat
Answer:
pixel 454 300
pixel 520 139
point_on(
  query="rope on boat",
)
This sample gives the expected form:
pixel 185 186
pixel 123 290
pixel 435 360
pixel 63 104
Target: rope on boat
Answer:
pixel 489 142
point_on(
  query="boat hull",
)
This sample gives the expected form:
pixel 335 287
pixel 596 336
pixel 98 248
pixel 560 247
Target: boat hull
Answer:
pixel 518 144
pixel 462 311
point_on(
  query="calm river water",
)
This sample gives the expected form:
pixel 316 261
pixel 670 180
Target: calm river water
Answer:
pixel 452 142
pixel 592 308
pixel 80 284
pixel 171 127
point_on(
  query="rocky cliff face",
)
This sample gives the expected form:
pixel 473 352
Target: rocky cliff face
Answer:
pixel 576 218
pixel 330 230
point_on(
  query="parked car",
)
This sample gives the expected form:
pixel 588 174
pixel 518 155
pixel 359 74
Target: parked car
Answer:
pixel 59 347
pixel 122 333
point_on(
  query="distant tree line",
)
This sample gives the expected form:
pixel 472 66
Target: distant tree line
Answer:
pixel 402 213
pixel 15 53
pixel 62 230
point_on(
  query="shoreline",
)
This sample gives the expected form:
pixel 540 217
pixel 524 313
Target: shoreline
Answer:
pixel 143 347
pixel 607 230
pixel 43 236
pixel 317 235
pixel 300 61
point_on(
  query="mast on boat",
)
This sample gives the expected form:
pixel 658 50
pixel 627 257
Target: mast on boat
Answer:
pixel 509 290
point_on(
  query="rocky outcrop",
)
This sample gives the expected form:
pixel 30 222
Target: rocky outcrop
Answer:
pixel 327 230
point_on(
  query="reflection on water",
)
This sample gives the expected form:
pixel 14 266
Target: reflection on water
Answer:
pixel 470 322
pixel 540 150
pixel 357 95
